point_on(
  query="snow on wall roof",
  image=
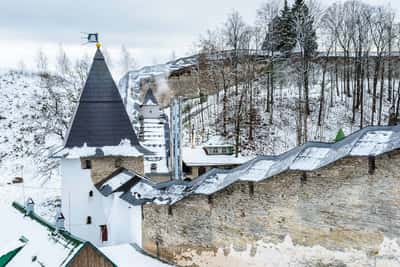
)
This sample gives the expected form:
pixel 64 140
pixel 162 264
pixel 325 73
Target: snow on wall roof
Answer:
pixel 41 242
pixel 374 143
pixel 370 141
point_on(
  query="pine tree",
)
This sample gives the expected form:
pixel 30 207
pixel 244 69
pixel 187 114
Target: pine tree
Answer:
pixel 304 27
pixel 272 39
pixel 340 135
pixel 287 30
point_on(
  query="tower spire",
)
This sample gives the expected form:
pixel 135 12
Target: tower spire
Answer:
pixel 100 118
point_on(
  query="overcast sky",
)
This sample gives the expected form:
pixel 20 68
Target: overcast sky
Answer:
pixel 151 29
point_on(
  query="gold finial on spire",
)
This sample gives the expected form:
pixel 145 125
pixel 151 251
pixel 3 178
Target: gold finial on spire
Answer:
pixel 98 45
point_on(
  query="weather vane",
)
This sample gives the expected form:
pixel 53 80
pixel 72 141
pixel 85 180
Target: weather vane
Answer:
pixel 91 38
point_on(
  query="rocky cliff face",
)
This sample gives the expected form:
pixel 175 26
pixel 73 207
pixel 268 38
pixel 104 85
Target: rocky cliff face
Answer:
pixel 338 216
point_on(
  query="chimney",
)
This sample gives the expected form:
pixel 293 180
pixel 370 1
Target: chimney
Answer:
pixel 59 221
pixel 193 137
pixel 29 206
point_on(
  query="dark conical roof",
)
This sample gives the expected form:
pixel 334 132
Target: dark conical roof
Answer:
pixel 100 119
pixel 149 98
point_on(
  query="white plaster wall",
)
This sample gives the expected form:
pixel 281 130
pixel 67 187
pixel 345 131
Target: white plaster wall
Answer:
pixel 123 222
pixel 150 112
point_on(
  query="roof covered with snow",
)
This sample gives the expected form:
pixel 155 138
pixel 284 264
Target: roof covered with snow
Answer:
pixel 41 244
pixel 127 255
pixel 197 157
pixel 119 181
pixel 217 140
pixel 124 149
pixel 370 141
pixel 100 119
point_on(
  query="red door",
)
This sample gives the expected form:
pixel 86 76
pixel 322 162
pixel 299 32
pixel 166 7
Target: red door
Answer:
pixel 104 233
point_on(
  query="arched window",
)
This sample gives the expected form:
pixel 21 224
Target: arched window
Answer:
pixel 88 220
pixel 91 193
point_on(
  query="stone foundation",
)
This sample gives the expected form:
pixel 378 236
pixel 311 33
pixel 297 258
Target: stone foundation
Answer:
pixel 340 208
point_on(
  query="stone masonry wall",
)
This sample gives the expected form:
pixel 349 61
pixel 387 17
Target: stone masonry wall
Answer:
pixel 339 208
pixel 104 166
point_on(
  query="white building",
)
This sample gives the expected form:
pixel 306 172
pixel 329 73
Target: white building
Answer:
pixel 154 136
pixel 101 153
pixel 216 153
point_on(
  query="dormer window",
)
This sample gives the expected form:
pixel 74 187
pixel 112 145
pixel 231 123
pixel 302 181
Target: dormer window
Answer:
pixel 87 164
pixel 153 167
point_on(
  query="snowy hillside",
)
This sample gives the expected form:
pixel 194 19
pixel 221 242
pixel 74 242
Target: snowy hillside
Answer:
pixel 280 135
pixel 29 133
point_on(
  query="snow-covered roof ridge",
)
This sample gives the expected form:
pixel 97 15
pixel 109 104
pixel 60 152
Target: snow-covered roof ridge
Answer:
pixel 217 140
pixel 124 149
pixel 369 141
pixel 119 181
pixel 41 240
pixel 67 235
pixel 43 244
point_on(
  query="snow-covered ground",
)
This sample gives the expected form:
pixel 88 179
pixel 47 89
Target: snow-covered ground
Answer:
pixel 286 254
pixel 125 255
pixel 24 147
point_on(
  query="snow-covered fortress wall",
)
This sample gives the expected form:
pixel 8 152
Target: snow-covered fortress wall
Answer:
pixel 340 214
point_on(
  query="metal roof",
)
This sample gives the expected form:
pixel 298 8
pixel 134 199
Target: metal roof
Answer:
pixel 100 118
pixel 370 141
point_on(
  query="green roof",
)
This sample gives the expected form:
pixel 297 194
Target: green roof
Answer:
pixel 68 236
pixel 75 241
pixel 7 257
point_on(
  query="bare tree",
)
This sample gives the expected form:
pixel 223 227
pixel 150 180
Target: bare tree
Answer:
pixel 377 25
pixel 127 61
pixel 42 62
pixel 63 63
